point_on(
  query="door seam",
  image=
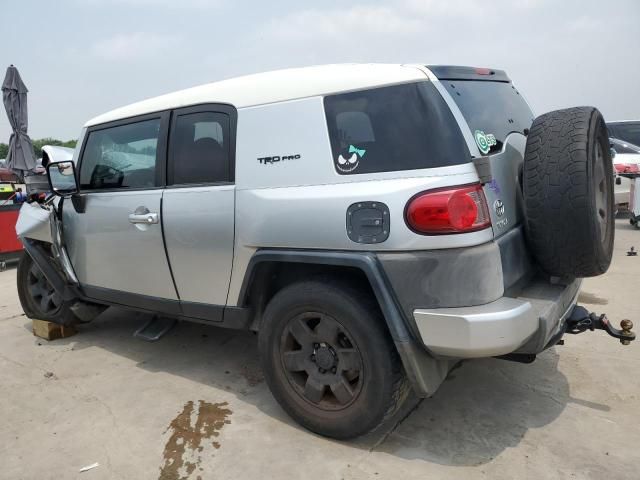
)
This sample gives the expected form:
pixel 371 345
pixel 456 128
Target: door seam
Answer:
pixel 164 244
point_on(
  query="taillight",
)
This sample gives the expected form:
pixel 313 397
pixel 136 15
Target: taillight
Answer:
pixel 448 210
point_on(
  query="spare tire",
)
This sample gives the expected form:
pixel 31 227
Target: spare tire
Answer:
pixel 568 193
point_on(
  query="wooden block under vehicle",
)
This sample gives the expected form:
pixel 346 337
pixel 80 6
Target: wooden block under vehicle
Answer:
pixel 51 331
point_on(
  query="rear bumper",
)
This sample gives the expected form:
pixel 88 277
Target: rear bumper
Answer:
pixel 527 323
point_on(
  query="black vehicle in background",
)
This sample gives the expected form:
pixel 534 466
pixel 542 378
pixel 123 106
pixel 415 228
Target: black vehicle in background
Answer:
pixel 628 130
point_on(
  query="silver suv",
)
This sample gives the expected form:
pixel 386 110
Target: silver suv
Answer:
pixel 374 224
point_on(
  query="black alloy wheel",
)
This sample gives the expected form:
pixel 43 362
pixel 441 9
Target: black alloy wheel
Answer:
pixel 321 360
pixel 38 298
pixel 44 297
pixel 329 359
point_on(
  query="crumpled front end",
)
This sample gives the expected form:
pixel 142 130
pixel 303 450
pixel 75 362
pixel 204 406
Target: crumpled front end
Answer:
pixel 35 222
pixel 38 222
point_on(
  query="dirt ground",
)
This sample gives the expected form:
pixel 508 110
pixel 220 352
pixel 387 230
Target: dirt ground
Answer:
pixel 194 405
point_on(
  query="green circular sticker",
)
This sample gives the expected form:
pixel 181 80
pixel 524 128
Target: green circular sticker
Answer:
pixel 482 142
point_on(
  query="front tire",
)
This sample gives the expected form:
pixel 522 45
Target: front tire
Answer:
pixel 38 298
pixel 329 359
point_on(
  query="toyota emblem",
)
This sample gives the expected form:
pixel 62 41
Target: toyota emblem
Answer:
pixel 498 206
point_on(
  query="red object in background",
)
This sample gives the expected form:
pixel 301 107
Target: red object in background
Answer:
pixel 9 242
pixel 7 175
pixel 626 167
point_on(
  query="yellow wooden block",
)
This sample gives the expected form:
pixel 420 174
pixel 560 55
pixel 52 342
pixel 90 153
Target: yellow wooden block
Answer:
pixel 51 331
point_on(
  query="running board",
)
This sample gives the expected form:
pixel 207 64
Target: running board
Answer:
pixel 155 329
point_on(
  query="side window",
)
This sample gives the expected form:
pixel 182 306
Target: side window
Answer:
pixel 199 149
pixel 121 157
pixel 401 127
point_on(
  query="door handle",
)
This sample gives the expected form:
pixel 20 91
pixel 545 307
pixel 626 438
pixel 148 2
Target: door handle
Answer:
pixel 146 218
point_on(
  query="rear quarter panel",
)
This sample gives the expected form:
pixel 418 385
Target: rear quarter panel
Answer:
pixel 302 202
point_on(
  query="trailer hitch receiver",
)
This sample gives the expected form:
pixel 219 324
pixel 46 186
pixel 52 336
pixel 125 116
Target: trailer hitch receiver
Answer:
pixel 582 320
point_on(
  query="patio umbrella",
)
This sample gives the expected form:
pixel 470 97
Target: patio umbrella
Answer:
pixel 14 95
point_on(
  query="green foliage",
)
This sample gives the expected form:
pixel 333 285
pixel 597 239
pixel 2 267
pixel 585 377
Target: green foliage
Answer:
pixel 38 144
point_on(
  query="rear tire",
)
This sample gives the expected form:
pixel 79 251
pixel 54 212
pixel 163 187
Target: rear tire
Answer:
pixel 569 193
pixel 38 297
pixel 329 360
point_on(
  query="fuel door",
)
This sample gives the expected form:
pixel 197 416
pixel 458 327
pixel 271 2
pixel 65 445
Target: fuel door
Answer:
pixel 368 222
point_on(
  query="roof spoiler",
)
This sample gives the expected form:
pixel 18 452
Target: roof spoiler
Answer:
pixel 452 72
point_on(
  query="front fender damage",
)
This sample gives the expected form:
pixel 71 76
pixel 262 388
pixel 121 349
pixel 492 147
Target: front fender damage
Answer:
pixel 39 229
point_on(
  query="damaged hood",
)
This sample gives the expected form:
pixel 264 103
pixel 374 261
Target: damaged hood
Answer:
pixel 52 153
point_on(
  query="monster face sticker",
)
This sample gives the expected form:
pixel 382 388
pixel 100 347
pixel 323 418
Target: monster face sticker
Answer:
pixel 349 162
pixel 484 141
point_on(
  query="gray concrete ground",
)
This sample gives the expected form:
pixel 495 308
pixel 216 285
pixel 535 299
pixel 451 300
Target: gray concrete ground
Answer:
pixel 196 402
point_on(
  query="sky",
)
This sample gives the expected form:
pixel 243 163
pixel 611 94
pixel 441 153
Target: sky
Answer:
pixel 81 58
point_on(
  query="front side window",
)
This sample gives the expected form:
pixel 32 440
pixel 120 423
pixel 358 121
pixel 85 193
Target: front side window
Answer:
pixel 401 127
pixel 199 149
pixel 121 157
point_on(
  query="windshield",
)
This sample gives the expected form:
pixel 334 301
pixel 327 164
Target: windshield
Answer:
pixel 495 109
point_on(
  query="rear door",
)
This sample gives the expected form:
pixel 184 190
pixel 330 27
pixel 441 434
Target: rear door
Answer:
pixel 113 228
pixel 498 118
pixel 198 207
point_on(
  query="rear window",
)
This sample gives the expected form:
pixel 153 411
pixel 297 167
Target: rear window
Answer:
pixel 491 109
pixel 402 127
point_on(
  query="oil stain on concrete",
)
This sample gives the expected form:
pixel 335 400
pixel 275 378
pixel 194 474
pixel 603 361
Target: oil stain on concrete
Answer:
pixel 190 431
pixel 590 298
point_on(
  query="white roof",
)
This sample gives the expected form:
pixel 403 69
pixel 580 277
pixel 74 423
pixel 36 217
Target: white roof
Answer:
pixel 273 86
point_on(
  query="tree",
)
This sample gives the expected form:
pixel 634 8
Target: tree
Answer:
pixel 38 144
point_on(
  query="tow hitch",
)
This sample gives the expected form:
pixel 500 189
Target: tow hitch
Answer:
pixel 582 320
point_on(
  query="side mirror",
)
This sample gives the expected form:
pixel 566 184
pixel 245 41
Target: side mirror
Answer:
pixel 613 152
pixel 62 178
